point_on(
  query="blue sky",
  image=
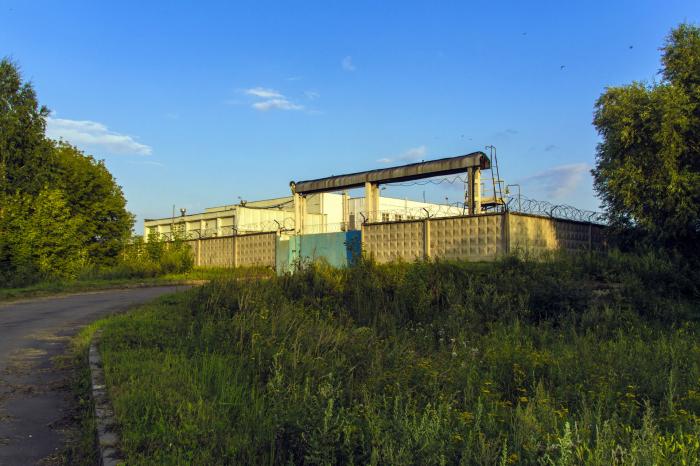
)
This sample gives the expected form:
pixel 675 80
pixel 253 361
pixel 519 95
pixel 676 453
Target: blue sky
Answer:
pixel 197 103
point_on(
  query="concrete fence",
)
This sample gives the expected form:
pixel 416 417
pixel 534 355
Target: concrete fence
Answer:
pixel 235 251
pixel 476 238
pixel 473 238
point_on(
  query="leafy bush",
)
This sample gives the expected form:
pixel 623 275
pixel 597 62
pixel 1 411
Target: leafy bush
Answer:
pixel 141 259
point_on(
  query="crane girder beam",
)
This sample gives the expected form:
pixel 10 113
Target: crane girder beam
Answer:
pixel 413 171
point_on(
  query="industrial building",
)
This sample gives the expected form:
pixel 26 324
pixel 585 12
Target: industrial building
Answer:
pixel 320 220
pixel 324 213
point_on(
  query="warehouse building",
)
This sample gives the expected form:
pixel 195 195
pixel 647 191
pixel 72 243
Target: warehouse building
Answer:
pixel 324 213
pixel 323 205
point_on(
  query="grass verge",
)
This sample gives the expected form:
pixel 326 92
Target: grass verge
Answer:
pixel 58 287
pixel 585 360
pixel 80 447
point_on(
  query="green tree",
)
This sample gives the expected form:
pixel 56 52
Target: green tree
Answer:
pixel 53 234
pixel 647 170
pixel 39 238
pixel 58 207
pixel 94 195
pixel 24 149
pixel 16 265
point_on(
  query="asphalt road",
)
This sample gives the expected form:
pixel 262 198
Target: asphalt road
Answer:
pixel 35 398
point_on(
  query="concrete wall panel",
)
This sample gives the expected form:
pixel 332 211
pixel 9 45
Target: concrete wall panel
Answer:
pixel 215 252
pixel 387 242
pixel 538 234
pixel 532 234
pixel 467 238
pixel 597 238
pixel 256 249
pixel 573 236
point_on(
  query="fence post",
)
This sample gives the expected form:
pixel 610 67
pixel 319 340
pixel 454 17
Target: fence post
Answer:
pixel 235 251
pixel 590 236
pixel 363 236
pixel 506 232
pixel 199 252
pixel 426 238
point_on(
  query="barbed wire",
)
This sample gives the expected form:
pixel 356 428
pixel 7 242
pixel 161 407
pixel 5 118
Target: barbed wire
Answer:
pixel 279 206
pixel 526 205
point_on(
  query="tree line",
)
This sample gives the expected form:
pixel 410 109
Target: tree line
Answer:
pixel 647 171
pixel 60 210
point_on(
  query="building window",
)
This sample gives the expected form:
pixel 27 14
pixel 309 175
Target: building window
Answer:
pixel 399 217
pixel 385 217
pixel 351 222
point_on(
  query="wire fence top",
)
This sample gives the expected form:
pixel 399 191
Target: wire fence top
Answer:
pixel 526 205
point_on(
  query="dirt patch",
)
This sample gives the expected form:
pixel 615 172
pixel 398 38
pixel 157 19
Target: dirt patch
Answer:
pixel 23 361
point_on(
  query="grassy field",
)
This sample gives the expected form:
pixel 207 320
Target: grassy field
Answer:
pixel 570 361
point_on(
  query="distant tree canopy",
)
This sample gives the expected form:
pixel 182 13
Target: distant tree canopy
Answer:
pixel 59 208
pixel 648 164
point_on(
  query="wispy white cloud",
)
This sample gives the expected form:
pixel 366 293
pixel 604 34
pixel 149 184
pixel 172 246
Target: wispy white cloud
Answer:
pixel 558 181
pixel 91 134
pixel 411 155
pixel 347 64
pixel 312 95
pixel 280 104
pixel 272 99
pixel 263 92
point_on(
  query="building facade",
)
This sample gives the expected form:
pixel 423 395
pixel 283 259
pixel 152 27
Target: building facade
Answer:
pixel 324 213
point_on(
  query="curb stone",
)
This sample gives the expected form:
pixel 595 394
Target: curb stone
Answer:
pixel 107 436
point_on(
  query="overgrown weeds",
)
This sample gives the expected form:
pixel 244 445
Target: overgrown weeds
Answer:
pixel 569 361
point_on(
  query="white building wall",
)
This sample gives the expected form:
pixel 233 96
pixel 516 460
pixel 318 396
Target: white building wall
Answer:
pixel 328 208
pixel 394 209
pixel 324 214
pixel 250 220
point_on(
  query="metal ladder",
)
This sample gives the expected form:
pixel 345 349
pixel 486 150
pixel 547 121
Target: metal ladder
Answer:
pixel 494 203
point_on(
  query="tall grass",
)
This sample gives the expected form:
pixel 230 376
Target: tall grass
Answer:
pixel 575 360
pixel 146 259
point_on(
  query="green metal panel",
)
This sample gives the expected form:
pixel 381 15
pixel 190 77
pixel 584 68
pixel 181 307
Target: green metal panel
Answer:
pixel 338 249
